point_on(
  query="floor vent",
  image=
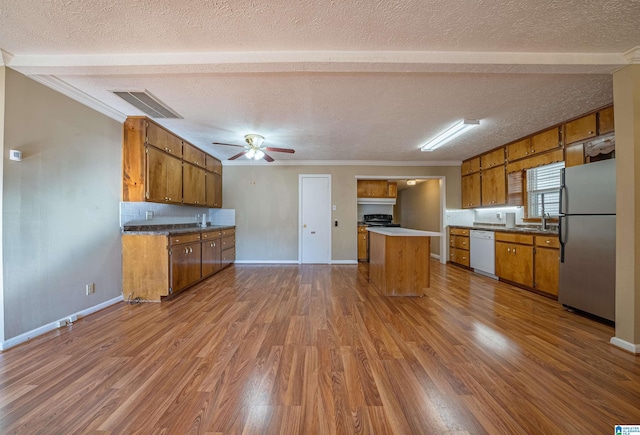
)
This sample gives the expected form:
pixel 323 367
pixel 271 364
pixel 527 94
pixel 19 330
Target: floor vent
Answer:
pixel 149 104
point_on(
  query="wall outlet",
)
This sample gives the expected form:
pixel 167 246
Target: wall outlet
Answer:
pixel 72 318
pixel 91 288
pixel 149 215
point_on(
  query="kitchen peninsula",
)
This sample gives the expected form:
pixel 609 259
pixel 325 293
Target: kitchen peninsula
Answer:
pixel 399 260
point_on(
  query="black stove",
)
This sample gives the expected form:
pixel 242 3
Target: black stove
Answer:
pixel 379 220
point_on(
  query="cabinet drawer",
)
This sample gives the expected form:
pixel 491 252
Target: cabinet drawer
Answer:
pixel 459 256
pixel 514 238
pixel 227 242
pixel 548 241
pixel 211 235
pixel 461 242
pixel 459 231
pixel 185 238
pixel 229 232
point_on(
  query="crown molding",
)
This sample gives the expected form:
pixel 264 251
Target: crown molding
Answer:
pixel 5 57
pixel 247 162
pixel 633 55
pixel 76 94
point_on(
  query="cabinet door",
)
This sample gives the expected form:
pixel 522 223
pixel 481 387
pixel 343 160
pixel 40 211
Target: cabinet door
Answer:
pixel 522 264
pixel 605 120
pixel 547 140
pixel 210 257
pixel 193 155
pixel 162 139
pixel 503 260
pixel 581 128
pixel 494 158
pixel 547 263
pixel 213 165
pixel 494 186
pixel 461 242
pixel 392 189
pixel 194 185
pixel 574 155
pixel 185 265
pixel 227 256
pixel 519 149
pixel 470 166
pixel 471 190
pixel 163 177
pixel 362 245
pixel 372 189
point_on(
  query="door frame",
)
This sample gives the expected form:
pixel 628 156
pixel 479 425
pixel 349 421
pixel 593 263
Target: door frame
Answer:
pixel 443 203
pixel 300 177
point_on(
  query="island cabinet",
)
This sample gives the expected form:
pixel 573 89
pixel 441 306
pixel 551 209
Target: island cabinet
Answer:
pixel 514 258
pixel 363 243
pixel 399 260
pixel 158 166
pixel 157 265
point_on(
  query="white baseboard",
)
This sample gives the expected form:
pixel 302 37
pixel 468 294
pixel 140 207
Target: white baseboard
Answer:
pixel 4 345
pixel 344 261
pixel 267 262
pixel 436 256
pixel 622 344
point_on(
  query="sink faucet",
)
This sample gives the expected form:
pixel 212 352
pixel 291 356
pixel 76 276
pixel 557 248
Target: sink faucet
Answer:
pixel 544 218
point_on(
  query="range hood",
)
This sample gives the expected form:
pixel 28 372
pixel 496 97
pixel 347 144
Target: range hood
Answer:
pixel 377 201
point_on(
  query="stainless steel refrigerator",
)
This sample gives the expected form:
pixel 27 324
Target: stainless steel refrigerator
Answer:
pixel 587 233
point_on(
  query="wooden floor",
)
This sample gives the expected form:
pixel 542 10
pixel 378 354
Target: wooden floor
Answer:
pixel 315 349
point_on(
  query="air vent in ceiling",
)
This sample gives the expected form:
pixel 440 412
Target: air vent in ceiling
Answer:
pixel 149 104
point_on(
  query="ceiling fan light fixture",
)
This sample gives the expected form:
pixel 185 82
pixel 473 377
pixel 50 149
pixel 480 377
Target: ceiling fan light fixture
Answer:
pixel 254 140
pixel 451 133
pixel 251 153
pixel 259 155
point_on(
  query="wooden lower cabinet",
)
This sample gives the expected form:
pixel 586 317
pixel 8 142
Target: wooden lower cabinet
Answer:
pixel 547 264
pixel 157 266
pixel 363 243
pixel 459 246
pixel 514 258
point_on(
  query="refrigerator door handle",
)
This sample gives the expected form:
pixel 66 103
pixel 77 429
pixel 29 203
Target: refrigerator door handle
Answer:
pixel 560 238
pixel 563 187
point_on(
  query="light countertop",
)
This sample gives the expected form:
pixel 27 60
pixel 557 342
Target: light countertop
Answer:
pixel 402 232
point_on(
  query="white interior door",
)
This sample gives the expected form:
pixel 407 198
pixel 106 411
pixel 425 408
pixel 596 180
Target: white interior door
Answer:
pixel 315 219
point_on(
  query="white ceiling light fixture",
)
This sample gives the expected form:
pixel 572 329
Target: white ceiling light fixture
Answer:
pixel 411 182
pixel 451 133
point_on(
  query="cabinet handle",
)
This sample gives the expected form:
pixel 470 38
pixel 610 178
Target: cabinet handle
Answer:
pixel 186 250
pixel 533 151
pixel 547 241
pixel 514 250
pixel 508 249
pixel 590 132
pixel 190 250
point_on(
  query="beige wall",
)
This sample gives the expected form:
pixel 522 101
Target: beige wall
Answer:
pixel 626 98
pixel 266 202
pixel 60 206
pixel 419 208
pixel 4 156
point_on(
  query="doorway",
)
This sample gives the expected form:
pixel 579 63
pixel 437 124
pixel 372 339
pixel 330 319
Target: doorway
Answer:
pixel 314 221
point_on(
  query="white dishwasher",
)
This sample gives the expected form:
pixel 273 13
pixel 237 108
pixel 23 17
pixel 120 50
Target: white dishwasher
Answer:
pixel 482 255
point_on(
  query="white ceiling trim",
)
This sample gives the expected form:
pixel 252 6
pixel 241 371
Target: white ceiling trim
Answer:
pixel 66 89
pixel 247 162
pixel 633 55
pixel 318 61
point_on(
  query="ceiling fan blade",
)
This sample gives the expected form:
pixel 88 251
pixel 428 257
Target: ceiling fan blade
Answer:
pixel 280 150
pixel 228 144
pixel 238 155
pixel 267 157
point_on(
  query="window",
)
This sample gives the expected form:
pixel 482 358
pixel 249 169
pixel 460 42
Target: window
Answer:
pixel 543 190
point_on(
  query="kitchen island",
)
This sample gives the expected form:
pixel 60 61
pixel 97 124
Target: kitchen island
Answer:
pixel 399 260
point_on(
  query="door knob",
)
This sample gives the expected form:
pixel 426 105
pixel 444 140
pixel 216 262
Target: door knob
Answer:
pixel 304 226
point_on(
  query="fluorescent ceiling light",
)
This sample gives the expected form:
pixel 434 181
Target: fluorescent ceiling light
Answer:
pixel 451 133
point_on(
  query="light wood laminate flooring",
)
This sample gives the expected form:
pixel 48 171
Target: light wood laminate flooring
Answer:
pixel 316 349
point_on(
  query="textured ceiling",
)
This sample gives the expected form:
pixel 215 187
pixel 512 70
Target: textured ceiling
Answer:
pixel 335 80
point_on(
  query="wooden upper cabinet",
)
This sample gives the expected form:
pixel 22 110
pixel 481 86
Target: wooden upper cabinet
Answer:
pixel 213 190
pixel 471 190
pixel 519 150
pixel 493 158
pixel 162 139
pixel 580 129
pixel 193 155
pixel 470 166
pixel 392 189
pixel 605 120
pixel 547 140
pixel 163 178
pixel 373 189
pixel 494 186
pixel 538 143
pixel 193 185
pixel 213 165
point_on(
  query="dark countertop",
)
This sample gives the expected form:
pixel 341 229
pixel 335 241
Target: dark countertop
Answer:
pixel 518 229
pixel 170 229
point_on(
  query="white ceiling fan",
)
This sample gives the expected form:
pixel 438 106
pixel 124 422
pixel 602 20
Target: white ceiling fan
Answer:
pixel 254 148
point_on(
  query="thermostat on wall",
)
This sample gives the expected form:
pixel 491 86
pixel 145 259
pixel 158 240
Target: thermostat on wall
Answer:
pixel 15 155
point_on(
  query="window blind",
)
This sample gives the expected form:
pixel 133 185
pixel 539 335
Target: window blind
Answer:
pixel 543 190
